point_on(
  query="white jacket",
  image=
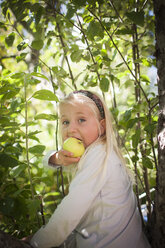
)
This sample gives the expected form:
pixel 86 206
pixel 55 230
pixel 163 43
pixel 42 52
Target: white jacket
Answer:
pixel 100 202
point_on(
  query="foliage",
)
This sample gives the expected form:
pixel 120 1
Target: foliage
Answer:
pixel 49 48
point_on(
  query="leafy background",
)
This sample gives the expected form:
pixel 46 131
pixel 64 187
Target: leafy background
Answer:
pixel 47 49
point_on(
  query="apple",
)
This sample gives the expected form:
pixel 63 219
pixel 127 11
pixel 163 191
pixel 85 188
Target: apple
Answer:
pixel 75 146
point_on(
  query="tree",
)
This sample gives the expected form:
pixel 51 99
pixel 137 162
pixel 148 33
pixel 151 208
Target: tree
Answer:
pixel 49 48
pixel 159 227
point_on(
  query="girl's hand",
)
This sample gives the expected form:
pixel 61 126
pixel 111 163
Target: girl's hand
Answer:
pixel 64 158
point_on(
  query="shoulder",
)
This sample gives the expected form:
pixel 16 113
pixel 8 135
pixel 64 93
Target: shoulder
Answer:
pixel 93 156
pixel 96 150
pixel 97 146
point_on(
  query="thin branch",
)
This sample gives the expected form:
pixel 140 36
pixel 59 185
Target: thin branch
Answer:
pixel 88 46
pixel 113 6
pixel 8 57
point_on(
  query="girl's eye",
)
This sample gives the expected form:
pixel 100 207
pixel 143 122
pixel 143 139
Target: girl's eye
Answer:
pixel 65 122
pixel 81 120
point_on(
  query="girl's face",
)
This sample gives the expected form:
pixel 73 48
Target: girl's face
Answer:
pixel 79 121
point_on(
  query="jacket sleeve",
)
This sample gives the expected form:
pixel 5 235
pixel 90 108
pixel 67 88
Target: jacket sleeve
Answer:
pixel 85 186
pixel 46 160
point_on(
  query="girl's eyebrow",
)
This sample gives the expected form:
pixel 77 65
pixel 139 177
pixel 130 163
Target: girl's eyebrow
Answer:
pixel 79 113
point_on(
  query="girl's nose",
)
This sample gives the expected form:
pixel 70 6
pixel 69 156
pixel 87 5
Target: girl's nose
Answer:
pixel 71 128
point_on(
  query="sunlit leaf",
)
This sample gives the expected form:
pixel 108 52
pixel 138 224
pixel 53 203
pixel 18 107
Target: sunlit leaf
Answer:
pixel 104 84
pixel 59 71
pixel 33 81
pixel 145 78
pixel 10 94
pixel 15 172
pixel 22 45
pixel 37 44
pixel 45 95
pixel 94 29
pixel 33 133
pixel 18 75
pixel 22 56
pixel 76 55
pixel 38 149
pixel 37 74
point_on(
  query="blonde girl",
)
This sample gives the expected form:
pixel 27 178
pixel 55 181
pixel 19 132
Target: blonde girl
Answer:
pixel 100 209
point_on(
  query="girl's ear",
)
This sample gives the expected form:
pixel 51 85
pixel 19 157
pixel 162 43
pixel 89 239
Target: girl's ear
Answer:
pixel 102 126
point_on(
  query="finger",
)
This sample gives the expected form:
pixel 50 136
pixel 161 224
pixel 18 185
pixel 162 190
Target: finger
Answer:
pixel 66 153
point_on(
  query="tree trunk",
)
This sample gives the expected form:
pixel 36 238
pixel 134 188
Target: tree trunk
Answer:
pixel 159 222
pixel 8 241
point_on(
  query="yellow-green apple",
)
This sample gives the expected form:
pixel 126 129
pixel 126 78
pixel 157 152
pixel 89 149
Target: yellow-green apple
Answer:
pixel 74 146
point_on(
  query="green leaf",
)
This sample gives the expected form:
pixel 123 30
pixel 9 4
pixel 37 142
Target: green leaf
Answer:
pixel 33 81
pixel 136 138
pixel 76 55
pixel 6 88
pixel 45 95
pixel 21 57
pixel 71 11
pixel 7 161
pixel 33 206
pixel 18 75
pixel 12 149
pixel 37 74
pixel 104 84
pixel 134 158
pixel 150 127
pixel 147 162
pixel 15 172
pixel 10 39
pixel 136 17
pixel 48 117
pixel 59 71
pixel 131 122
pixel 94 29
pixel 10 94
pixel 38 149
pixel 39 13
pixel 37 44
pixel 79 3
pixel 145 78
pixel 124 31
pixel 22 45
pixel 34 133
pixel 127 115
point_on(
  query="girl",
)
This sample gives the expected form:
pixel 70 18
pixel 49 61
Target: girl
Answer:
pixel 100 209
